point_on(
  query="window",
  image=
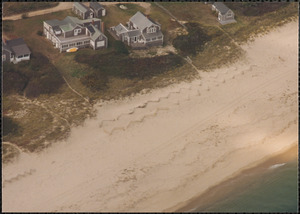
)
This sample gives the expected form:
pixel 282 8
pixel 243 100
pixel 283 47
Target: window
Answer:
pixel 72 44
pixel 135 38
pixel 154 38
pixel 87 42
pixel 26 55
pixel 147 40
pixel 76 31
pixel 20 56
pixel 79 43
pixel 151 30
pixel 64 46
pixel 229 14
pixel 160 37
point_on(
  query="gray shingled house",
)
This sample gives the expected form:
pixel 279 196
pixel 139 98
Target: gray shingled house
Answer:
pixel 225 15
pixel 15 51
pixel 140 32
pixel 73 32
pixel 82 11
pixel 95 10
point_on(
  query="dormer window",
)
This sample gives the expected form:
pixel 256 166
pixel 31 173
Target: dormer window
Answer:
pixel 151 30
pixel 77 31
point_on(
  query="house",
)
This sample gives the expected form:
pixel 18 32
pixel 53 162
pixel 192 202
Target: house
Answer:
pixel 95 10
pixel 82 11
pixel 15 51
pixel 73 32
pixel 140 32
pixel 225 15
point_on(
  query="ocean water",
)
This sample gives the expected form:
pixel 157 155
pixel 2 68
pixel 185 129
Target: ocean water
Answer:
pixel 272 188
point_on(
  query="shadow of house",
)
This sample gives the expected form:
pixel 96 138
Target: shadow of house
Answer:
pixel 140 32
pixel 225 15
pixel 15 51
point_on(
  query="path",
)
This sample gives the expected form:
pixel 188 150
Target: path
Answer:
pixel 68 5
pixel 59 7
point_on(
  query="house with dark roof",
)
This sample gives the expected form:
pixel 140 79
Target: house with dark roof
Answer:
pixel 140 32
pixel 225 15
pixel 82 11
pixel 95 10
pixel 73 32
pixel 15 51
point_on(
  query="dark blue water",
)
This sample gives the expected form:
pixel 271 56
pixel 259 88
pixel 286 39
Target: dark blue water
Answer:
pixel 274 190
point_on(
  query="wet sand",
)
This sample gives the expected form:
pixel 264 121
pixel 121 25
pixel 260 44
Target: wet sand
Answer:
pixel 156 151
pixel 225 189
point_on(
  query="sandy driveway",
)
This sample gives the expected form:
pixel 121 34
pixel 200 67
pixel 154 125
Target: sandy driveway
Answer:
pixel 157 150
pixel 68 5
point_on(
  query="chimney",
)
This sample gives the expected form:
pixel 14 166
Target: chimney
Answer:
pixel 102 27
pixel 93 22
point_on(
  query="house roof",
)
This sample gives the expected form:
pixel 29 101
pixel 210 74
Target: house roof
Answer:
pixel 141 21
pixel 69 23
pixel 133 33
pixel 55 22
pixel 96 5
pixel 96 33
pixel 81 7
pixel 18 46
pixel 220 6
pixel 6 47
pixel 120 28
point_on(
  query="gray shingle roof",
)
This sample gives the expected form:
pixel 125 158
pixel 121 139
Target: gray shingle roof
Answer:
pixel 95 5
pixel 18 46
pixel 141 21
pixel 81 7
pixel 220 6
pixel 134 33
pixel 96 34
pixel 120 28
pixel 55 22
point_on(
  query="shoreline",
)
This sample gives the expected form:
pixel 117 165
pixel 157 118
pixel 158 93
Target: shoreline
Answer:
pixel 220 191
pixel 155 151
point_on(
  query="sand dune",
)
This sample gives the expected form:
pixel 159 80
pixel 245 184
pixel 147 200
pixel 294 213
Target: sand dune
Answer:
pixel 155 151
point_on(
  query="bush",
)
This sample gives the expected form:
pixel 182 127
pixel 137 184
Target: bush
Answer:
pixel 47 82
pixel 120 47
pixel 10 126
pixel 39 33
pixel 13 80
pixel 193 42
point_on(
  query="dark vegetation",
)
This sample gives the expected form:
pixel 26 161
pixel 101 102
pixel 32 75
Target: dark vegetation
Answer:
pixel 118 64
pixel 12 8
pixel 257 8
pixel 193 42
pixel 34 77
pixel 10 126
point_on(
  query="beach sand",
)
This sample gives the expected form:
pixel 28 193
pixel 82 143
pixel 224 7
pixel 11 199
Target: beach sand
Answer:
pixel 157 151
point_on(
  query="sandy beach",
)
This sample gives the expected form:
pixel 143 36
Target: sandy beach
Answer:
pixel 156 151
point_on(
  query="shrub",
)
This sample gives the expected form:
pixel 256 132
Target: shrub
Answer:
pixel 39 33
pixel 193 42
pixel 10 126
pixel 120 47
pixel 47 82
